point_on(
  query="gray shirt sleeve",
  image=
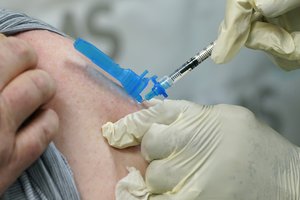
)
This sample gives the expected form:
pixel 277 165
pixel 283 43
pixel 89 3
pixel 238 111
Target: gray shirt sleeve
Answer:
pixel 50 177
pixel 12 23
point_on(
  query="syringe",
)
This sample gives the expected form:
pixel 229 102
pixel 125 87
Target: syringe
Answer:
pixel 166 82
pixel 133 83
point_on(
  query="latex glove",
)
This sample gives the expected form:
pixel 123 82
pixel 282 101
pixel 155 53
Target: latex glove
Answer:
pixel 23 89
pixel 276 33
pixel 205 152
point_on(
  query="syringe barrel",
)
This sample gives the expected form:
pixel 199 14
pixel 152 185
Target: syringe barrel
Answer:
pixel 192 63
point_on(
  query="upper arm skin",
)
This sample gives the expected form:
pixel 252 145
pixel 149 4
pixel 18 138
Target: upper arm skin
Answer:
pixel 84 101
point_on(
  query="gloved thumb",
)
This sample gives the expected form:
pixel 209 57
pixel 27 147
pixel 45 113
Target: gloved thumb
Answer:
pixel 270 38
pixel 130 130
pixel 233 31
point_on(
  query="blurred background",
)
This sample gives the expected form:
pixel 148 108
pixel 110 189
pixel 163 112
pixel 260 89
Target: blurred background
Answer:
pixel 159 35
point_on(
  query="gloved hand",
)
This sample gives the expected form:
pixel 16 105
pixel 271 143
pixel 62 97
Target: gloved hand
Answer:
pixel 23 89
pixel 205 152
pixel 277 32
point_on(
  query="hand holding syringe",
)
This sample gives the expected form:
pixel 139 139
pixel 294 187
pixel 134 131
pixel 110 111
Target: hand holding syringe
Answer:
pixel 133 83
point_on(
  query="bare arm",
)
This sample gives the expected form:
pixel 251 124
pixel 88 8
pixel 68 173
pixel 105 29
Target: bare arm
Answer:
pixel 85 100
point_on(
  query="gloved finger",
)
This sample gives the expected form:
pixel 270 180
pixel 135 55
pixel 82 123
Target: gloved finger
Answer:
pixel 286 64
pixel 163 141
pixel 188 189
pixel 188 195
pixel 175 171
pixel 153 102
pixel 16 57
pixel 189 192
pixel 34 138
pixel 25 94
pixel 158 143
pixel 234 30
pixel 188 154
pixel 130 130
pixel 275 8
pixel 2 36
pixel 282 45
pixel 162 177
pixel 274 40
pixel 132 186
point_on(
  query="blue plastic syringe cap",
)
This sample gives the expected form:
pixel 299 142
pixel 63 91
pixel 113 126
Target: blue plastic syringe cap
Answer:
pixel 131 82
pixel 156 90
pixel 134 84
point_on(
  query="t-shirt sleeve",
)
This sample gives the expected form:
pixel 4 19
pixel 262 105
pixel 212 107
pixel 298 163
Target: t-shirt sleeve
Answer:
pixel 13 22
